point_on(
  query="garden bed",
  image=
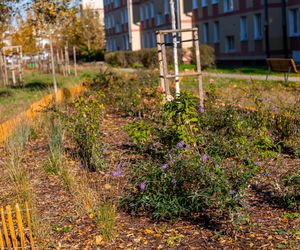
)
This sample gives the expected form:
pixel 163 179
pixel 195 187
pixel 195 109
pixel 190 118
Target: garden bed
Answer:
pixel 76 195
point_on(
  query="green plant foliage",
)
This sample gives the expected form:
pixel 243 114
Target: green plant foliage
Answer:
pixel 148 57
pixel 82 121
pixel 203 158
pixel 134 95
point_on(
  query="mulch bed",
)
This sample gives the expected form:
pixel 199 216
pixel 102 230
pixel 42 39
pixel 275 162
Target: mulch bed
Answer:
pixel 261 225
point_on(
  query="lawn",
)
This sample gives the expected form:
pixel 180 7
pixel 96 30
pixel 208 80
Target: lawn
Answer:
pixel 117 168
pixel 14 100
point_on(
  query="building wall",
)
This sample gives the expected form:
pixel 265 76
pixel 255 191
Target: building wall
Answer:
pixel 219 26
pixel 251 46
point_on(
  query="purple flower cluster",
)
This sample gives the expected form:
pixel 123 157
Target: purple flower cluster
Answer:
pixel 143 186
pixel 164 167
pixel 174 181
pixel 204 157
pixel 201 110
pixel 257 163
pixel 181 144
pixel 119 171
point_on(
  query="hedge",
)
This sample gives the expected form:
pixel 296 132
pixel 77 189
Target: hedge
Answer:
pixel 148 57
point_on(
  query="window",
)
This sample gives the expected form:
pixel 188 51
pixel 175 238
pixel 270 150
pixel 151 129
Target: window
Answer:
pixel 159 19
pixel 152 15
pixel 228 5
pixel 147 12
pixel 216 32
pixel 167 7
pixel 204 3
pixel 294 26
pixel 229 44
pixel 142 13
pixel 257 27
pixel 153 40
pixel 205 33
pixel 243 28
pixel 214 1
pixel 118 28
pixel 117 3
pixel 195 4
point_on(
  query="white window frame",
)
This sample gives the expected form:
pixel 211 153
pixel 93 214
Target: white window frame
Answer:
pixel 243 28
pixel 294 22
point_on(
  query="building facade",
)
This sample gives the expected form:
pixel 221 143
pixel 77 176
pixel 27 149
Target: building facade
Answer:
pixel 238 29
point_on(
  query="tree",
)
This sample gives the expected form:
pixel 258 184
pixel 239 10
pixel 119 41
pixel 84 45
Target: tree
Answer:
pixel 26 36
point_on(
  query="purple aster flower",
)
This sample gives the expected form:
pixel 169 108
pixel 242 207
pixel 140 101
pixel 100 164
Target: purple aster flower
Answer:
pixel 270 99
pixel 261 99
pixel 105 151
pixel 143 186
pixel 275 110
pixel 257 163
pixel 201 110
pixel 172 160
pixel 204 157
pixel 117 172
pixel 164 167
pixel 180 144
pixel 174 181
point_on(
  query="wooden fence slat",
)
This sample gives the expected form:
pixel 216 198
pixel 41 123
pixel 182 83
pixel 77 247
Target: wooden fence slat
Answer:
pixel 5 231
pixel 20 227
pixel 29 226
pixel 11 228
pixel 1 241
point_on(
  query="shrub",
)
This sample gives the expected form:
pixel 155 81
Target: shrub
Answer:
pixel 203 159
pixel 134 95
pixel 148 58
pixel 82 122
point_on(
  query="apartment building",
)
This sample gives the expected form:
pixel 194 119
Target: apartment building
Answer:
pixel 132 24
pixel 240 30
pixel 248 29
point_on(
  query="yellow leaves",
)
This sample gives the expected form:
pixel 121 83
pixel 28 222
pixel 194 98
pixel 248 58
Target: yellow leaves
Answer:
pixel 98 239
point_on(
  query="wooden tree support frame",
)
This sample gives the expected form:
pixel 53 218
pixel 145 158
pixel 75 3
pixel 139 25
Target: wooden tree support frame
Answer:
pixel 163 65
pixel 6 66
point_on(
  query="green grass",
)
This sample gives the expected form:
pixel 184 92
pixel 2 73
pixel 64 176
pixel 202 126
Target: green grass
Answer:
pixel 263 70
pixel 14 100
pixel 243 91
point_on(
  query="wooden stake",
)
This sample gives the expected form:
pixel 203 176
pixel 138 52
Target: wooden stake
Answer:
pixel 200 83
pixel 20 227
pixel 175 48
pixel 5 231
pixel 160 61
pixel 29 226
pixel 75 60
pixel 1 241
pixel 11 228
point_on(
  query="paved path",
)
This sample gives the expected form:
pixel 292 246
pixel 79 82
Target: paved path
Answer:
pixel 249 77
pixel 233 76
